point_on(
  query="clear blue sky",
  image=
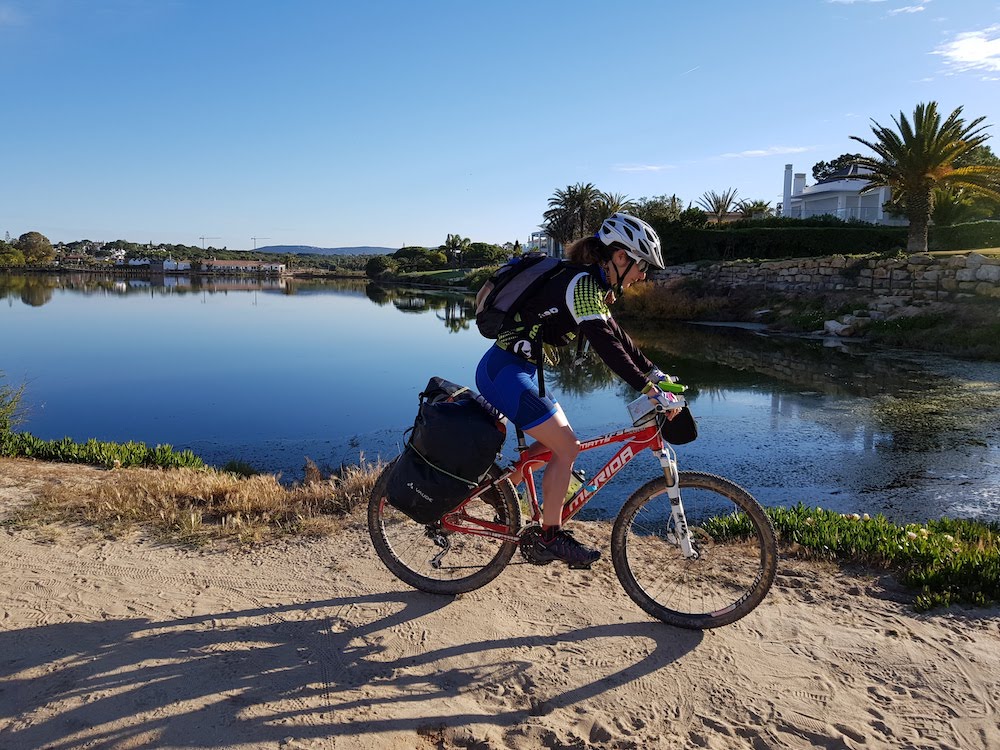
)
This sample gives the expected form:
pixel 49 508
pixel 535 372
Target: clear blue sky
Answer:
pixel 382 123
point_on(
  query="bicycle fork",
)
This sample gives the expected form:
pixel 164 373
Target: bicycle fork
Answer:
pixel 668 462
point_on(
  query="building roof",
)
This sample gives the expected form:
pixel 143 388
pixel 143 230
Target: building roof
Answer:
pixel 850 172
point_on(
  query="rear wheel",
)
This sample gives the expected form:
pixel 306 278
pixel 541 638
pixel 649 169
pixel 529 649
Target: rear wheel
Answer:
pixel 438 561
pixel 735 541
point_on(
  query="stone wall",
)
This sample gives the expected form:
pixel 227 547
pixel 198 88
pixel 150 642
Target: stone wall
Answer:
pixel 889 284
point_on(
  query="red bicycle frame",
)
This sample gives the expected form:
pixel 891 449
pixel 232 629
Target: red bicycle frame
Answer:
pixel 636 439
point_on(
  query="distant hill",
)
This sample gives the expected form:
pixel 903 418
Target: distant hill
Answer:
pixel 310 250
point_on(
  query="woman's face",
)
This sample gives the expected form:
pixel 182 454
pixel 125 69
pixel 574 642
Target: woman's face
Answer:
pixel 637 272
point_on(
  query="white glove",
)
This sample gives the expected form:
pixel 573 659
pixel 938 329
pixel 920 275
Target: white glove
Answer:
pixel 662 400
pixel 656 375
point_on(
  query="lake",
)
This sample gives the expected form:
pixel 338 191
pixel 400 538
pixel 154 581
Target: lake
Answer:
pixel 272 372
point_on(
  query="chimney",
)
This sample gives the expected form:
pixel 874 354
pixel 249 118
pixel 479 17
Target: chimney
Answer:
pixel 786 195
pixel 799 184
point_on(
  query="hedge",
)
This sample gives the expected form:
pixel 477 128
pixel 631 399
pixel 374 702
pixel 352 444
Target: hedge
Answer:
pixel 685 245
pixel 972 236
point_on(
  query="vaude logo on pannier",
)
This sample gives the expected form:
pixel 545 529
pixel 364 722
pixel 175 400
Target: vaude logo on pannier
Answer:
pixel 420 492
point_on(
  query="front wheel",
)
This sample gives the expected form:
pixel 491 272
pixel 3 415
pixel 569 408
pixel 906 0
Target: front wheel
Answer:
pixel 736 549
pixel 436 560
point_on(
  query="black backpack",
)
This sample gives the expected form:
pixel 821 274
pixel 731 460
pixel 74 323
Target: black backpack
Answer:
pixel 453 443
pixel 506 291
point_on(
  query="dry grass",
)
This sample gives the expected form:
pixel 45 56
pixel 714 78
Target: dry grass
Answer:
pixel 196 506
pixel 678 299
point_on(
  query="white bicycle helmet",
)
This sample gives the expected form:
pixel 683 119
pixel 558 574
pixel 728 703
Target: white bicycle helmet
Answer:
pixel 636 237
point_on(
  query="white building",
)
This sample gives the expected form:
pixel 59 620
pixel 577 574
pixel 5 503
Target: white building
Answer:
pixel 540 240
pixel 837 195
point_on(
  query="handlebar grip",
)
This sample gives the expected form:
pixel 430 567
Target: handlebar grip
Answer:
pixel 669 387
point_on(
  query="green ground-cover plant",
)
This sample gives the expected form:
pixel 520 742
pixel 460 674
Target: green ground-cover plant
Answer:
pixel 947 561
pixel 95 452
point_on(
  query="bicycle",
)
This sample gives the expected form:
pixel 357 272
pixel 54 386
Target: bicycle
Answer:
pixel 701 563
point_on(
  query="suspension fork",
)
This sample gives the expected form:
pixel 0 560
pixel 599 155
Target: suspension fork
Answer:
pixel 668 462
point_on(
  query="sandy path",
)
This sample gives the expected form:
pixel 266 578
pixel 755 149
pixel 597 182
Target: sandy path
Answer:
pixel 130 644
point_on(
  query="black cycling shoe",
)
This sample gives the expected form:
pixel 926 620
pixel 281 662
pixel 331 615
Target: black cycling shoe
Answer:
pixel 563 546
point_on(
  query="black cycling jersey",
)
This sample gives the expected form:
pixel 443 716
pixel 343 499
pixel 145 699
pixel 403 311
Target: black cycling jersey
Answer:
pixel 574 302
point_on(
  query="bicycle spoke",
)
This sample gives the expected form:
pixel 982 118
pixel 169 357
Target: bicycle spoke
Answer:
pixel 434 559
pixel 735 544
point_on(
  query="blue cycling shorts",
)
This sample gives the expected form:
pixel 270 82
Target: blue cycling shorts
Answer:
pixel 508 383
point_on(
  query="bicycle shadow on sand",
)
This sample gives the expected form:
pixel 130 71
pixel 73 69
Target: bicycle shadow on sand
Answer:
pixel 314 670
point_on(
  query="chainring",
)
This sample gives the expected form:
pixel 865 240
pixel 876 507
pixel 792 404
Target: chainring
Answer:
pixel 531 544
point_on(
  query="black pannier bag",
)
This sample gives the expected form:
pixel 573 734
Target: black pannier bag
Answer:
pixel 453 443
pixel 681 429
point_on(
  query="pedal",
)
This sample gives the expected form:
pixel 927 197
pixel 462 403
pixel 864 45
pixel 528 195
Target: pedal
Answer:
pixel 581 566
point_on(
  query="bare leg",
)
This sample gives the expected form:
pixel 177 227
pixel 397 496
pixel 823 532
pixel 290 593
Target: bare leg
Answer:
pixel 556 434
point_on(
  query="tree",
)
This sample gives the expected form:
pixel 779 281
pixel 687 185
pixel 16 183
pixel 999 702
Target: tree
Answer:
pixel 916 158
pixel 36 248
pixel 823 169
pixel 660 209
pixel 484 254
pixel 692 216
pixel 754 209
pixel 610 203
pixel 455 245
pixel 572 212
pixel 718 205
pixel 978 156
pixel 10 256
pixel 956 205
pixel 379 266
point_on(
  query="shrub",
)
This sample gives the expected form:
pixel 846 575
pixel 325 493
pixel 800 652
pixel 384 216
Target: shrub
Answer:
pixel 948 561
pixel 974 235
pixel 10 406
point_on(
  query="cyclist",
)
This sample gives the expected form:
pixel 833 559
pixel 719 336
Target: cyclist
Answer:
pixel 576 301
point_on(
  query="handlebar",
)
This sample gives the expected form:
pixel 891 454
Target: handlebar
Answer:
pixel 680 403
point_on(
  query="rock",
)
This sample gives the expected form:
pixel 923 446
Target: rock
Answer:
pixel 965 274
pixel 837 328
pixel 920 259
pixel 988 273
pixel 975 260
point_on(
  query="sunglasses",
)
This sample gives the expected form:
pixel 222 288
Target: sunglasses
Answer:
pixel 643 265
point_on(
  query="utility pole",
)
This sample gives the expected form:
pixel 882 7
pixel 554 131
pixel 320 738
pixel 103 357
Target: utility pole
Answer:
pixel 207 238
pixel 258 238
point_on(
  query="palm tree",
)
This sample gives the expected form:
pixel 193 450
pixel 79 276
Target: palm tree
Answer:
pixel 571 212
pixel 956 206
pixel 718 205
pixel 610 203
pixel 922 156
pixel 754 209
pixel 454 246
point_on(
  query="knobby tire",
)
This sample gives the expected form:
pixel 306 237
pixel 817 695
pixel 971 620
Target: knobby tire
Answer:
pixel 738 548
pixel 407 547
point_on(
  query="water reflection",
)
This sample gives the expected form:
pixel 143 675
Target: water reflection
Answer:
pixel 37 290
pixel 849 427
pixel 455 309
